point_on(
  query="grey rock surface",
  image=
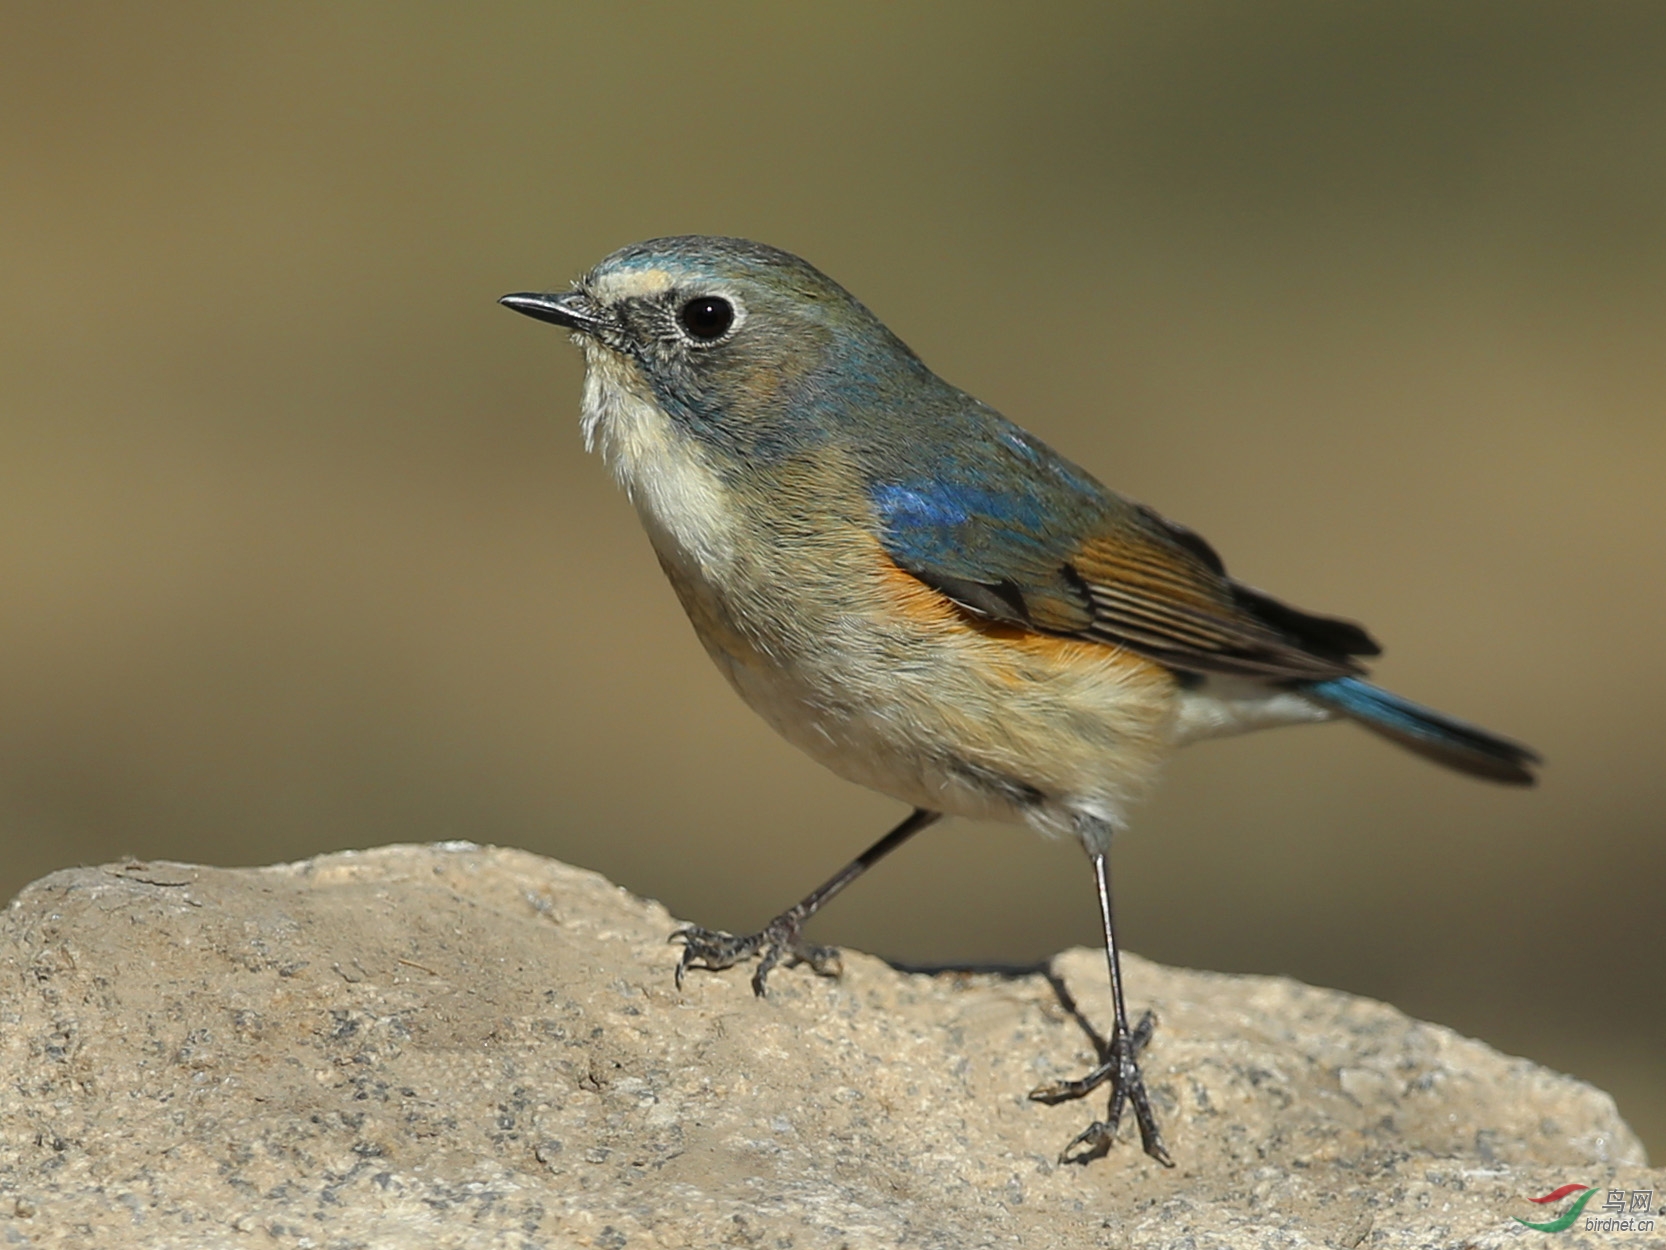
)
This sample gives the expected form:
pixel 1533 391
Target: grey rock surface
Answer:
pixel 436 1046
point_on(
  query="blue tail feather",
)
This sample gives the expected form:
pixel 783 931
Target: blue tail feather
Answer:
pixel 1431 734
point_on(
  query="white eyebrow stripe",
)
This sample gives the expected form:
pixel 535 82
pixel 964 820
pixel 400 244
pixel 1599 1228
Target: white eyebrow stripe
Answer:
pixel 631 283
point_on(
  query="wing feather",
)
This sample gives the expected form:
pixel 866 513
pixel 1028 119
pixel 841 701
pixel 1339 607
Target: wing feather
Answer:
pixel 1011 531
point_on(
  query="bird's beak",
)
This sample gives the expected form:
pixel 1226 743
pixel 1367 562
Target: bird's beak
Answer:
pixel 569 309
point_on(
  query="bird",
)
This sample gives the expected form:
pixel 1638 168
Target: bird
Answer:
pixel 927 598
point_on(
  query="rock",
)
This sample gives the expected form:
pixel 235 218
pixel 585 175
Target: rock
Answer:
pixel 428 1046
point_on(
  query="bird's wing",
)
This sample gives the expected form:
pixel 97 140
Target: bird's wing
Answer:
pixel 1052 550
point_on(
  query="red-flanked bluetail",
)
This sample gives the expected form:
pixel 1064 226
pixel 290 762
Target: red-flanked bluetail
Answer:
pixel 927 598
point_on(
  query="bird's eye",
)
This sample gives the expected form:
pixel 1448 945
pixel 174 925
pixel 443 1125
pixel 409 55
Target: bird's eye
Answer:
pixel 707 317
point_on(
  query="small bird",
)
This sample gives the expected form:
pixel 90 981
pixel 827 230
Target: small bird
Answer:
pixel 928 599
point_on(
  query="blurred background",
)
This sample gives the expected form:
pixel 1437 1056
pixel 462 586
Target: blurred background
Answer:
pixel 299 548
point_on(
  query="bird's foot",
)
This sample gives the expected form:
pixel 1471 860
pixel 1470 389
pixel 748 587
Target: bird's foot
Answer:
pixel 777 941
pixel 1121 1068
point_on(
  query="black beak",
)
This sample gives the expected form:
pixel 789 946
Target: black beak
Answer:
pixel 569 309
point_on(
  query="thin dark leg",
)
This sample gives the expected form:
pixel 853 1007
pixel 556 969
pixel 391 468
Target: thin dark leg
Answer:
pixel 780 938
pixel 1121 1062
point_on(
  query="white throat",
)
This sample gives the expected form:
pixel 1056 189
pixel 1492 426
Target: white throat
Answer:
pixel 683 504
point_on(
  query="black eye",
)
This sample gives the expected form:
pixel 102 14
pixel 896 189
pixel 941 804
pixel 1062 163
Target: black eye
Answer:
pixel 707 317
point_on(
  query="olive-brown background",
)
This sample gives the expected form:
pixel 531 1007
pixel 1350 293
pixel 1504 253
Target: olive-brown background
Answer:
pixel 299 549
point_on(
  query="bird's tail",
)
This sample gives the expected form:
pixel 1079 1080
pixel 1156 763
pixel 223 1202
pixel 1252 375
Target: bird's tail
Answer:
pixel 1431 734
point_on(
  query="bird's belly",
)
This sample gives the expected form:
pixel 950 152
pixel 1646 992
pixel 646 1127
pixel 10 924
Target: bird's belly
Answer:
pixel 892 686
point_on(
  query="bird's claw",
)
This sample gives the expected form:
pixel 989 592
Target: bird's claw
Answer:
pixel 1122 1069
pixel 777 941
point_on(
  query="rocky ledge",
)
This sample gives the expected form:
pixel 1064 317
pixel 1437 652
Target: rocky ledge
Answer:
pixel 432 1046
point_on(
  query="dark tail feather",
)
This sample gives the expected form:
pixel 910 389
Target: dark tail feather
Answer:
pixel 1429 733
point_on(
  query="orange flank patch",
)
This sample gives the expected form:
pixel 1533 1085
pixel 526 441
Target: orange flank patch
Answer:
pixel 914 600
pixel 1017 655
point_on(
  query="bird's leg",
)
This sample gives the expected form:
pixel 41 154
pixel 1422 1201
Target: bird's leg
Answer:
pixel 781 938
pixel 1120 1062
